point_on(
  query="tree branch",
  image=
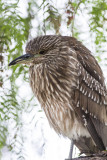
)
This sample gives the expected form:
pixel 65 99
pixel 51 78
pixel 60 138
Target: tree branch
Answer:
pixel 97 156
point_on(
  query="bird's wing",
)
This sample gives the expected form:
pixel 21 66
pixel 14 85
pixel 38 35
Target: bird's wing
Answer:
pixel 91 85
pixel 91 94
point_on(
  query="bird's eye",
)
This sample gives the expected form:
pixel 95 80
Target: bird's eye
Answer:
pixel 41 52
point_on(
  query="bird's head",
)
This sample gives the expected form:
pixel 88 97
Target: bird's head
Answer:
pixel 38 50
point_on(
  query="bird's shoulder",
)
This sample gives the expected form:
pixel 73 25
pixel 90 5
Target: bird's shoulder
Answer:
pixel 85 58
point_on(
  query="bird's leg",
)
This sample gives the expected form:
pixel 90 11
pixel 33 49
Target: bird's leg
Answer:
pixel 71 151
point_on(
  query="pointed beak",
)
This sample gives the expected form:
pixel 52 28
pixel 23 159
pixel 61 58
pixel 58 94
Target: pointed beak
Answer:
pixel 26 58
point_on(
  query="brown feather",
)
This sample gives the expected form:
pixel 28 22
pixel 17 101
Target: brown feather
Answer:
pixel 69 84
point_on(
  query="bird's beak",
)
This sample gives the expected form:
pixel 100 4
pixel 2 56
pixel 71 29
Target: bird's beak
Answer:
pixel 26 58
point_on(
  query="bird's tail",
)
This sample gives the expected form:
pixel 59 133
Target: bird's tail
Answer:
pixel 86 145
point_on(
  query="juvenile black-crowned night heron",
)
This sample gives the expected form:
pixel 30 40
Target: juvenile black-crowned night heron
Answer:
pixel 69 85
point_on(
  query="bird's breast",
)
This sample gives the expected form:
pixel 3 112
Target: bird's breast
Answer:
pixel 55 96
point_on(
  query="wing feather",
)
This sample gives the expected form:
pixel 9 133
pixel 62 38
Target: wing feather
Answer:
pixel 91 94
pixel 91 82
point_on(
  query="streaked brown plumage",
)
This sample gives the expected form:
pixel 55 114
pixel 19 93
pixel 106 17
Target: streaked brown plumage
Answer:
pixel 69 85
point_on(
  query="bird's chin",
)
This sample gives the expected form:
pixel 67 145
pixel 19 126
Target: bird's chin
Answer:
pixel 31 64
pixel 39 60
pixel 28 63
pixel 24 63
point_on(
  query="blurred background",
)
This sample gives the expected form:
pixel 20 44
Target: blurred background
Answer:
pixel 25 133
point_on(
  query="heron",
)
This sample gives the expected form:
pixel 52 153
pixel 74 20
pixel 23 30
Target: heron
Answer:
pixel 69 84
